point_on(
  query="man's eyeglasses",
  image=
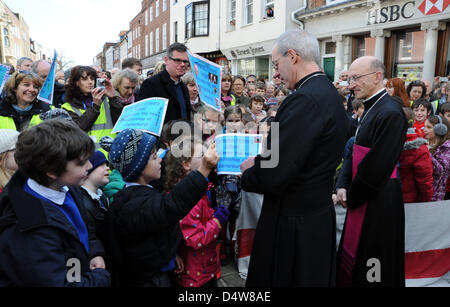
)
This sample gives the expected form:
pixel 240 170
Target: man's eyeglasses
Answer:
pixel 353 79
pixel 179 61
pixel 277 62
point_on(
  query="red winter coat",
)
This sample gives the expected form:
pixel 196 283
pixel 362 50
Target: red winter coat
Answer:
pixel 200 232
pixel 416 170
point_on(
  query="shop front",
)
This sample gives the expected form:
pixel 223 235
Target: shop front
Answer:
pixel 410 37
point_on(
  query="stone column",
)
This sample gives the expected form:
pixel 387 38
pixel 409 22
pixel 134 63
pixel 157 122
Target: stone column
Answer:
pixel 339 58
pixel 431 29
pixel 380 35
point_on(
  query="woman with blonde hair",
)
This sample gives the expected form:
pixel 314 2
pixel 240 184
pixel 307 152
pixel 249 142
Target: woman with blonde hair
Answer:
pixel 20 109
pixel 8 166
pixel 396 87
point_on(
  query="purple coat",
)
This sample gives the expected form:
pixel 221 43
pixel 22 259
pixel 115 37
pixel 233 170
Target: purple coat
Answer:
pixel 441 170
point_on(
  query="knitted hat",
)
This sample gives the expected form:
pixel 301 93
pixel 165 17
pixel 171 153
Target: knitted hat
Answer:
pixel 97 159
pixel 130 153
pixel 8 140
pixel 55 114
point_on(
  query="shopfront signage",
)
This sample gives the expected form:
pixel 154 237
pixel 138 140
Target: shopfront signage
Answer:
pixel 391 13
pixel 248 51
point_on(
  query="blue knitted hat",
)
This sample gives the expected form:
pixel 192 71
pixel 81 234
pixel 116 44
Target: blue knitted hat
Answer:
pixel 97 159
pixel 130 153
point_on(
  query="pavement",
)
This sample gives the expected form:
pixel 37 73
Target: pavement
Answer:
pixel 230 276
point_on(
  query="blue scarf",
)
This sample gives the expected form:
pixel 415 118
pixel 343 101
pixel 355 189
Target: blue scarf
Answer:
pixel 22 111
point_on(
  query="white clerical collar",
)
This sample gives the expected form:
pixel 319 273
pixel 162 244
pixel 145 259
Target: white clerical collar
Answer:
pixel 93 195
pixel 374 94
pixel 52 195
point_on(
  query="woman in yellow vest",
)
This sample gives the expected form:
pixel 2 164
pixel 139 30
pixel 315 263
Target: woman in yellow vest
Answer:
pixel 20 109
pixel 94 109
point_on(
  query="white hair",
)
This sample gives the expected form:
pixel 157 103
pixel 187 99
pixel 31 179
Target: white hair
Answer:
pixel 303 43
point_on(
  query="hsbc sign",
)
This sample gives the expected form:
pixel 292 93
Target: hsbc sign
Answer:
pixel 405 11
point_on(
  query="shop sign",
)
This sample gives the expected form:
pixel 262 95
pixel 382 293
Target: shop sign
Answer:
pixel 248 51
pixel 405 11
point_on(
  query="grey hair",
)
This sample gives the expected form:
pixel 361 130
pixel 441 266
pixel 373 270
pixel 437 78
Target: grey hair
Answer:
pixel 304 43
pixel 125 73
pixel 35 65
pixel 188 78
pixel 377 65
pixel 21 60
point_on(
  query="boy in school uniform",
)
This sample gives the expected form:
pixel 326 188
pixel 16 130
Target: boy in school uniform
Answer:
pixel 44 241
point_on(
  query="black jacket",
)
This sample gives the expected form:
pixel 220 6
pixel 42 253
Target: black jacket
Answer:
pixel 38 243
pixel 161 85
pixel 22 121
pixel 143 228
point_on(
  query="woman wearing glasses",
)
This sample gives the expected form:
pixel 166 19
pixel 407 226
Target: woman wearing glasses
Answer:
pixel 238 91
pixel 20 108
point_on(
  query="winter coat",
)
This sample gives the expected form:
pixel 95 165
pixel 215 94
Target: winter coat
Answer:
pixel 143 228
pixel 200 232
pixel 161 85
pixel 441 170
pixel 21 121
pixel 38 244
pixel 416 170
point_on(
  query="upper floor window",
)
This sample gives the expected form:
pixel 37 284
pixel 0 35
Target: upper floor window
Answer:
pixel 231 15
pixel 248 12
pixel 268 6
pixel 197 19
pixel 157 8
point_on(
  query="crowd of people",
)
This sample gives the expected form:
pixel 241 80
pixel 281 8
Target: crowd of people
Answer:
pixel 133 212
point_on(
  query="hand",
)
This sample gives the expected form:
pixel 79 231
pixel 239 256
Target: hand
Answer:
pixel 97 263
pixel 109 89
pixel 342 197
pixel 249 163
pixel 209 161
pixel 180 265
pixel 97 94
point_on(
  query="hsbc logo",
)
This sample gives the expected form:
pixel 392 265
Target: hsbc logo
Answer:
pixel 430 7
pixel 405 11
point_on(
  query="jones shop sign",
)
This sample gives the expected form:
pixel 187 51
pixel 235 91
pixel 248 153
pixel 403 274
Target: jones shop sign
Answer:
pixel 405 11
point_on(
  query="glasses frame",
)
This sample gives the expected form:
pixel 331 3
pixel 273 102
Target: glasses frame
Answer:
pixel 179 61
pixel 354 79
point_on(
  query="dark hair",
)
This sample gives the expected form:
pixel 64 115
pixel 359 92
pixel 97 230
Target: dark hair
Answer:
pixel 283 90
pixel 421 102
pixel 166 134
pixel 419 84
pixel 176 47
pixel 434 120
pixel 130 62
pixel 445 107
pixel 261 85
pixel 238 77
pixel 49 146
pixel 256 98
pixel 267 119
pixel 247 118
pixel 232 110
pixel 72 89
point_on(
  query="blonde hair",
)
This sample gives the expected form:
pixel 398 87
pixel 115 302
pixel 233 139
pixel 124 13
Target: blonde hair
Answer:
pixel 126 73
pixel 5 174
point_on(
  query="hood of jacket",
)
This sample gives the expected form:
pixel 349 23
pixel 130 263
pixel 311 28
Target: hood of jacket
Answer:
pixel 415 144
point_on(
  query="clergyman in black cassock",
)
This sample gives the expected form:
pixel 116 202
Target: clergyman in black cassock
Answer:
pixel 379 259
pixel 295 241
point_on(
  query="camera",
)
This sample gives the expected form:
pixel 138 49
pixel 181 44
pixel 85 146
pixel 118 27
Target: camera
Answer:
pixel 344 83
pixel 100 83
pixel 443 79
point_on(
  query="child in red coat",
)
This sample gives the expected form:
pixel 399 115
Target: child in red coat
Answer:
pixel 416 169
pixel 422 109
pixel 201 227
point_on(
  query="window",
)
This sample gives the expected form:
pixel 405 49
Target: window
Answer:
pixel 231 15
pixel 6 38
pixel 164 38
pixel 157 8
pixel 175 31
pixel 164 5
pixel 151 43
pixel 146 17
pixel 197 19
pixel 157 40
pixel 151 13
pixel 248 12
pixel 409 55
pixel 146 45
pixel 268 9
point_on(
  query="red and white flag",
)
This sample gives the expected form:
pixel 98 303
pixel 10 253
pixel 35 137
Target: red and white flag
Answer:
pixel 427 244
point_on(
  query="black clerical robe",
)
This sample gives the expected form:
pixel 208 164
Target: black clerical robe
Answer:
pixel 295 242
pixel 383 130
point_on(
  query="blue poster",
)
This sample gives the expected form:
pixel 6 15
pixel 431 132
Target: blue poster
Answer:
pixel 4 76
pixel 146 115
pixel 208 76
pixel 233 149
pixel 46 93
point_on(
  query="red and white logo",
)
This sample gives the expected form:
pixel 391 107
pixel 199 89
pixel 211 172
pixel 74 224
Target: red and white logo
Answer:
pixel 430 7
